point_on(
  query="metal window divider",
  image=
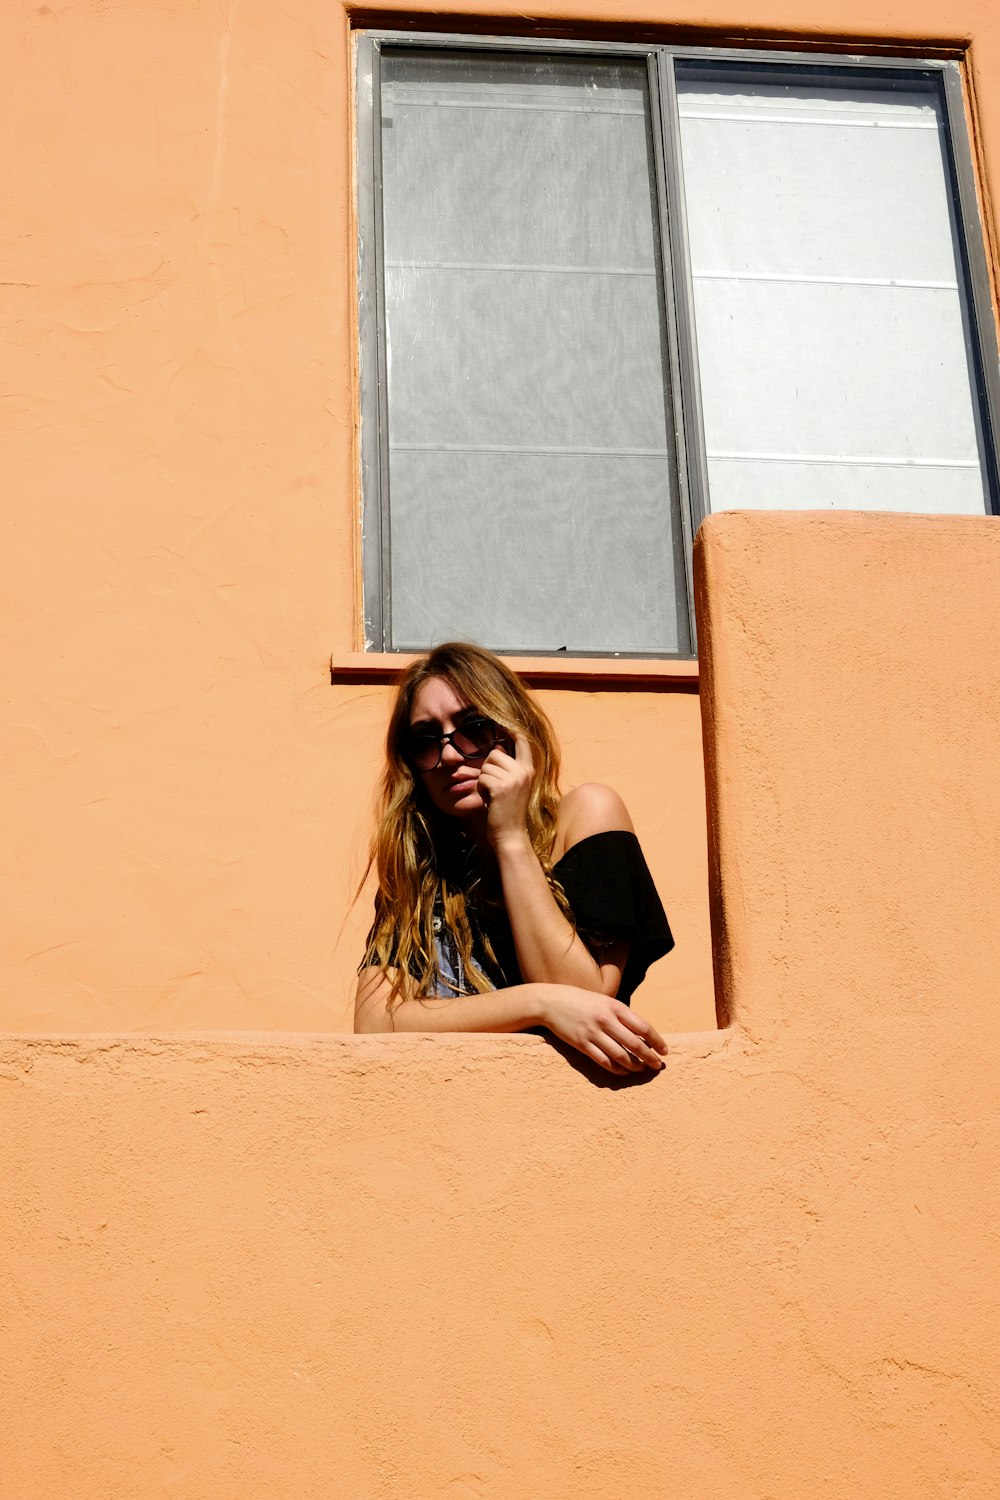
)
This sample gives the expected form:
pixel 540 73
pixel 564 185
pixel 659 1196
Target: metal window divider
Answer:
pixel 685 383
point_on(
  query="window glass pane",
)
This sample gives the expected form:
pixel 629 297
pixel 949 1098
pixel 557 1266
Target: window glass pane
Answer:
pixel 829 297
pixel 531 481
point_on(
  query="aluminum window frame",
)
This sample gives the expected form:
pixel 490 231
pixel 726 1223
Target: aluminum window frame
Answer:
pixel 683 384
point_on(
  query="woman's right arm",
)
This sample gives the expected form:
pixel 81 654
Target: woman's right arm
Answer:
pixel 595 1024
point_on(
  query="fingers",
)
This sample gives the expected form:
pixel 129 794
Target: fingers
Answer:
pixel 490 782
pixel 639 1051
pixel 505 783
pixel 617 1058
pixel 593 1051
pixel 625 1050
pixel 630 1041
pixel 626 1059
pixel 520 752
pixel 642 1029
pixel 609 1034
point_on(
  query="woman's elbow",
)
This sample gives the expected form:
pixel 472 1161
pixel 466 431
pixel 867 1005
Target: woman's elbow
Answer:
pixel 610 966
pixel 371 1003
pixel 603 981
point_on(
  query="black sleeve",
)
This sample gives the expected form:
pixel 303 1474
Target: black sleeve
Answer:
pixel 609 887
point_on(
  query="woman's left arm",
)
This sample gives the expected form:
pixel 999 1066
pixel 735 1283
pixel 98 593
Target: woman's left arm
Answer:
pixel 549 951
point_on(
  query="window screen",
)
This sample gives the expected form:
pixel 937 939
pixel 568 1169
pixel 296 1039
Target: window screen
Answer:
pixel 532 497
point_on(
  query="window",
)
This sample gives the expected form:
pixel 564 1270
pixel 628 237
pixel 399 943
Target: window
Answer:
pixel 606 289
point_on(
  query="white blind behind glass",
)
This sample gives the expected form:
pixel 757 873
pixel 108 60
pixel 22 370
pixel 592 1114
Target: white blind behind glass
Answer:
pixel 531 476
pixel 828 296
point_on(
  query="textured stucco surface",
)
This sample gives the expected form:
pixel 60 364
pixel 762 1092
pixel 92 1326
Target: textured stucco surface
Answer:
pixel 462 1267
pixel 851 679
pixel 374 1267
pixel 186 796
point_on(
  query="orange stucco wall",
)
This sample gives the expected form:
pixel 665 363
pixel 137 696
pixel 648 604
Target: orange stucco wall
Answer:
pixel 461 1267
pixel 306 1265
pixel 187 794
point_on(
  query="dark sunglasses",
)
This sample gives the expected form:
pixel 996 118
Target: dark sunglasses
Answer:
pixel 473 739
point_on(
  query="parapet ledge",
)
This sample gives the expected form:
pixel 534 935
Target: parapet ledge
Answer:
pixel 19 1050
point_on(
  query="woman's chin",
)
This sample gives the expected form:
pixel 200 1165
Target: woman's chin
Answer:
pixel 464 801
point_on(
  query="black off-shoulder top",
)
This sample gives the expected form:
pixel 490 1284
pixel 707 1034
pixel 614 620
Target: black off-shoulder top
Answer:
pixel 608 885
pixel 612 896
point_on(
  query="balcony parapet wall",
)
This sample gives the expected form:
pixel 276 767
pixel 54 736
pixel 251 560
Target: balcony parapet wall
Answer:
pixel 303 1266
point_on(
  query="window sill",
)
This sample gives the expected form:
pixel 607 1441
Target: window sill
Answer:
pixel 594 672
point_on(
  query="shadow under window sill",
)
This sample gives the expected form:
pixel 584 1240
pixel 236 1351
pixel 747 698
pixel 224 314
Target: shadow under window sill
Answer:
pixel 592 672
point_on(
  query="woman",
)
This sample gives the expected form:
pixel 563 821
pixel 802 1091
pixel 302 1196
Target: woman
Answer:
pixel 501 906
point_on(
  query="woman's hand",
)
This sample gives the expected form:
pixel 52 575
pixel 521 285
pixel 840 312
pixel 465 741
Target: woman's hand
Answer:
pixel 504 784
pixel 602 1028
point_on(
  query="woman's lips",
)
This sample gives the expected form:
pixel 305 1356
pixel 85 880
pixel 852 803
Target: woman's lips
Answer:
pixel 461 786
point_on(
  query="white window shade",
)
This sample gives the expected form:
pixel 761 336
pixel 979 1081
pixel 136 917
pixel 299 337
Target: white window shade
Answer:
pixel 829 303
pixel 531 475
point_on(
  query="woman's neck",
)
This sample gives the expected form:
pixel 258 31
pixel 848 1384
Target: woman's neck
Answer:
pixel 474 830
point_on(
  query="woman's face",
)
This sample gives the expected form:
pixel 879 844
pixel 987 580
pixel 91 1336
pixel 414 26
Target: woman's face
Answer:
pixel 453 786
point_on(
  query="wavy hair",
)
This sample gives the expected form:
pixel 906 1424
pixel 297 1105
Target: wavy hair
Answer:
pixel 419 853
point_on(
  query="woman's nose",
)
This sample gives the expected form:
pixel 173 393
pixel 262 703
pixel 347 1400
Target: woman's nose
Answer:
pixel 449 755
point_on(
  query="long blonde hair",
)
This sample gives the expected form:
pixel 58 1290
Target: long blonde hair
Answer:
pixel 421 862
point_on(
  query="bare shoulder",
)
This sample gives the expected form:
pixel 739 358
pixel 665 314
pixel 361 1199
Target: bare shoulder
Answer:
pixel 586 810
